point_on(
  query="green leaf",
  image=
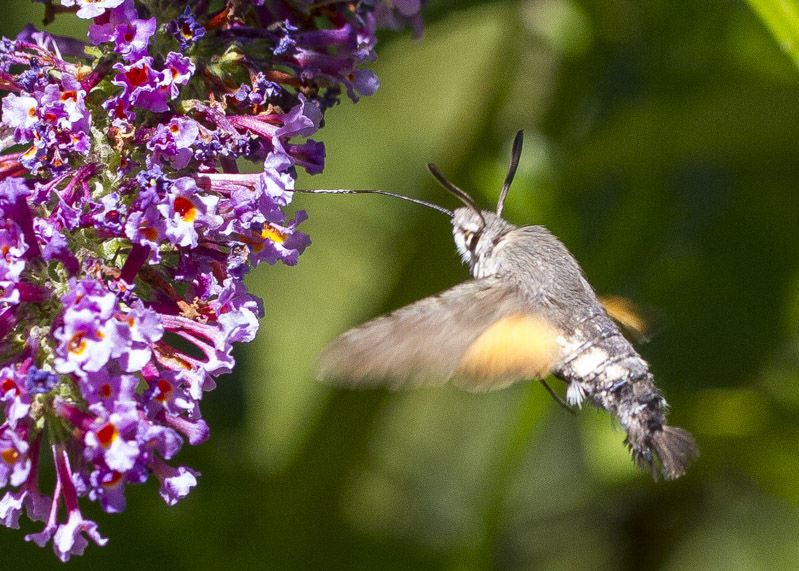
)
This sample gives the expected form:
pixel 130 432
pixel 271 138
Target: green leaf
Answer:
pixel 782 20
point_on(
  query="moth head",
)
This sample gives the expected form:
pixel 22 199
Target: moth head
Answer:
pixel 467 230
pixel 477 232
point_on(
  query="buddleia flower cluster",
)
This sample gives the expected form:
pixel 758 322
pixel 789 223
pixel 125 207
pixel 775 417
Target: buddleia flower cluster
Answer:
pixel 127 226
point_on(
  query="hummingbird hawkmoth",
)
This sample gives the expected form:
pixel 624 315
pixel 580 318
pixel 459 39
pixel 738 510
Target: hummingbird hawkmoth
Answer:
pixel 528 313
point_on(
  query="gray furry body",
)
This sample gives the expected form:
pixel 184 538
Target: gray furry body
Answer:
pixel 596 361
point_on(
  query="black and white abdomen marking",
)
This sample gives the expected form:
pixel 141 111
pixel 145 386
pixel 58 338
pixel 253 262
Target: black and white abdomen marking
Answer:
pixel 600 365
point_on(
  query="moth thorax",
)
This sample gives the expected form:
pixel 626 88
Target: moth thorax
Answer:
pixel 485 264
pixel 487 255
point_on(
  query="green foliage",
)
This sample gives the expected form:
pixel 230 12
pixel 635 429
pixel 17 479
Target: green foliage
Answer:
pixel 782 20
pixel 661 146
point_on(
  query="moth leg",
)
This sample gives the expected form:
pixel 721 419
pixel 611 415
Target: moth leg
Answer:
pixel 575 394
pixel 557 398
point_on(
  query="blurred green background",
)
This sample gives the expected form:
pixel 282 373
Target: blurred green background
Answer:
pixel 661 145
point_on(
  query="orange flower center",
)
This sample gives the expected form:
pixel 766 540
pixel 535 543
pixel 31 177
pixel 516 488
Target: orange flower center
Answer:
pixel 107 434
pixel 273 234
pixel 185 208
pixel 9 455
pixel 77 344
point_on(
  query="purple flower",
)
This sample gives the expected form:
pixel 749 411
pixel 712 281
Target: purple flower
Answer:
pixel 55 246
pixel 15 396
pixel 167 392
pixel 174 140
pixel 64 106
pixel 309 155
pixel 177 71
pixel 54 119
pixel 108 488
pixel 91 8
pixel 127 228
pixel 109 212
pixel 39 381
pixel 108 439
pixel 122 26
pixel 364 82
pixel 146 228
pixel 185 29
pixel 90 337
pixel 142 330
pixel 12 250
pixel 20 112
pixel 103 391
pixel 143 86
pixel 105 26
pixel 69 537
pixel 186 211
pixel 28 497
pixel 176 483
pixel 274 242
pixel 15 465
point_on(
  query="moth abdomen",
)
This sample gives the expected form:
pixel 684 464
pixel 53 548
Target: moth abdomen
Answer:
pixel 610 374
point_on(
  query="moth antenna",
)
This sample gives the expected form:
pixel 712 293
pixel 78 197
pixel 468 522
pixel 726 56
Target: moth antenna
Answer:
pixel 371 191
pixel 515 155
pixel 459 193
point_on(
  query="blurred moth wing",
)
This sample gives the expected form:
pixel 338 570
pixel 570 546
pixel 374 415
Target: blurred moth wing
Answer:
pixel 638 322
pixel 478 335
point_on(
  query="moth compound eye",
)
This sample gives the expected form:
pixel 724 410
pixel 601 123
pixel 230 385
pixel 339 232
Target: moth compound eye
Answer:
pixel 471 239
